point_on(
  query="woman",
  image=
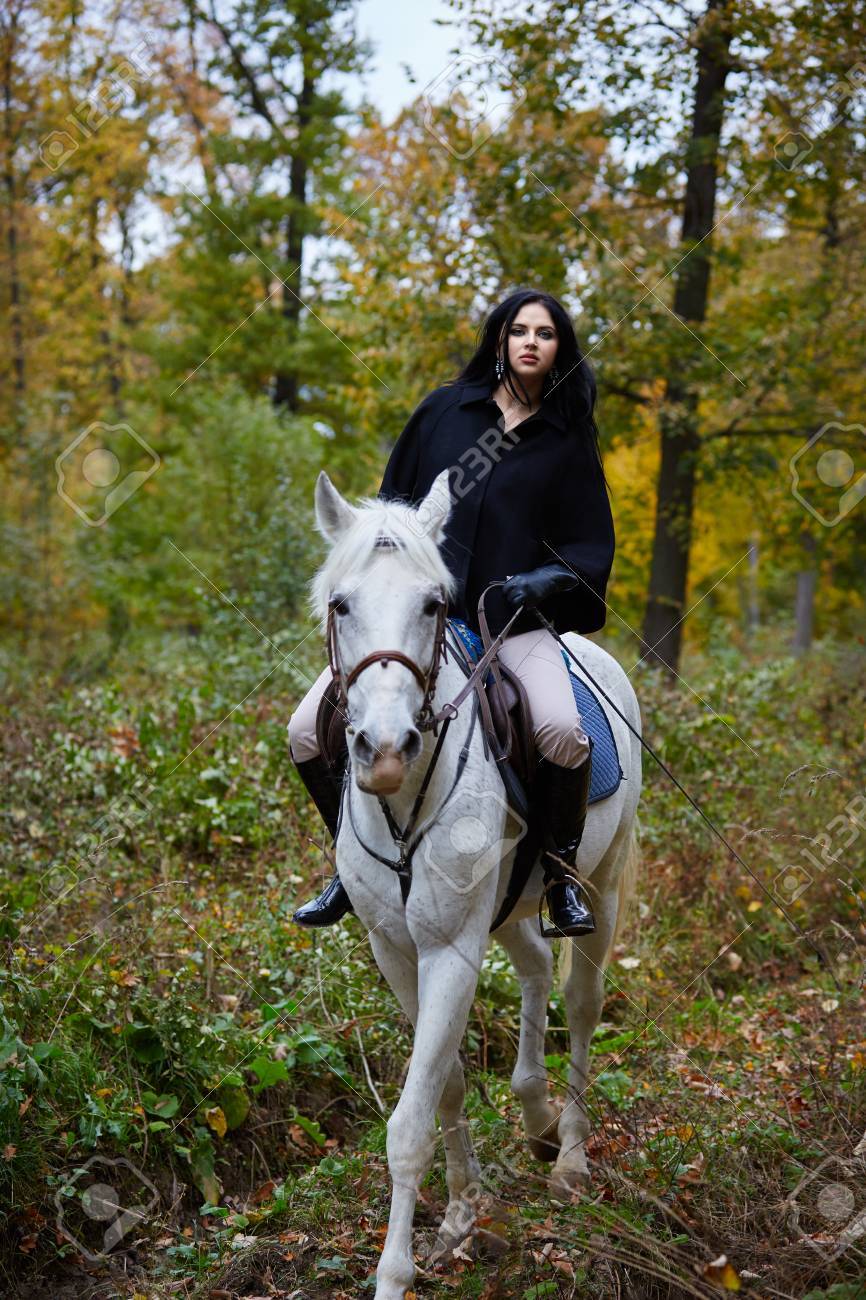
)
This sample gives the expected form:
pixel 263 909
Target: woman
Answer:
pixel 530 505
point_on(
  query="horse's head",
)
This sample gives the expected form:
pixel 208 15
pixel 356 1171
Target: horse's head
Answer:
pixel 386 582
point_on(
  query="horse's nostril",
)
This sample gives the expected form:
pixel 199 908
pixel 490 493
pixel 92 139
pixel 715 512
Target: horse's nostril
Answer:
pixel 363 748
pixel 410 747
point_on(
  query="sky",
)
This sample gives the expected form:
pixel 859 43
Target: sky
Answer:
pixel 404 32
pixel 407 43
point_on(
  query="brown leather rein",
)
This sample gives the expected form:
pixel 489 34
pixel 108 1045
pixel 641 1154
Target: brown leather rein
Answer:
pixel 425 720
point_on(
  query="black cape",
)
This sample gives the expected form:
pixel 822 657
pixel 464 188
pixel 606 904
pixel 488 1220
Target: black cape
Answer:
pixel 534 495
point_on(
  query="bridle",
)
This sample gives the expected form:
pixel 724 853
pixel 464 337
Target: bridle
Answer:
pixel 425 719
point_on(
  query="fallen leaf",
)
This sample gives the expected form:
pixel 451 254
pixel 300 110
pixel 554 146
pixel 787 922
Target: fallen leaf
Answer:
pixel 722 1274
pixel 217 1121
pixel 9 1151
pixel 242 1240
pixel 124 741
pixel 263 1193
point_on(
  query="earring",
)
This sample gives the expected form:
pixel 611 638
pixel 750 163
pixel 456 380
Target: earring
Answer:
pixel 500 368
pixel 554 374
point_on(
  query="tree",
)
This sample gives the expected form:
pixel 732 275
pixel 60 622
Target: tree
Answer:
pixel 689 109
pixel 267 159
pixel 680 440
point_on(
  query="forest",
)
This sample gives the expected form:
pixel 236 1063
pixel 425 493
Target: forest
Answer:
pixel 223 269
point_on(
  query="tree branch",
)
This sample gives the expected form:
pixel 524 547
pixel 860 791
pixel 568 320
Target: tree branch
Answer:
pixel 258 100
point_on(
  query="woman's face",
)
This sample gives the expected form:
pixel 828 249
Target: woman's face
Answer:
pixel 532 342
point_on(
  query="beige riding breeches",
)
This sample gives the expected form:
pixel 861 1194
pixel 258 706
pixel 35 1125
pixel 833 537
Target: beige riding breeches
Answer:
pixel 534 657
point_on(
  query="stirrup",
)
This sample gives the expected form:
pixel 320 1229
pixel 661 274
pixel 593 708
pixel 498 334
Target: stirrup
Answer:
pixel 567 875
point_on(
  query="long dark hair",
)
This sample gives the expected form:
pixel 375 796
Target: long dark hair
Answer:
pixel 573 394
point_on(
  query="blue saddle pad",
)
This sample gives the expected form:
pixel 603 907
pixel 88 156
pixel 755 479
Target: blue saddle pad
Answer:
pixel 606 771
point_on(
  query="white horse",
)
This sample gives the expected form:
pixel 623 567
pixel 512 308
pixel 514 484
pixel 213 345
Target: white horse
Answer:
pixel 431 949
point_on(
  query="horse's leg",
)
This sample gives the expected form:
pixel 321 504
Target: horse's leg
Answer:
pixel 584 998
pixel 462 1170
pixel 447 979
pixel 533 961
pixel 462 1167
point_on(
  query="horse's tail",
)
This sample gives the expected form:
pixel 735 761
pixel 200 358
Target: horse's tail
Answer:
pixel 625 892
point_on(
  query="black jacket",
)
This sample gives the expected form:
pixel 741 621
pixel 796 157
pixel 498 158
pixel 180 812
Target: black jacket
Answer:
pixel 532 496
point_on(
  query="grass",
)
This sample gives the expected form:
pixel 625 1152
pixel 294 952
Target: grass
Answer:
pixel 158 1007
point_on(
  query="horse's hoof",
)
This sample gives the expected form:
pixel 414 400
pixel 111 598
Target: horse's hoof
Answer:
pixel 545 1145
pixel 566 1184
pixel 544 1149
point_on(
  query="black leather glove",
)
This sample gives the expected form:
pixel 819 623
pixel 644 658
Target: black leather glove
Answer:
pixel 535 586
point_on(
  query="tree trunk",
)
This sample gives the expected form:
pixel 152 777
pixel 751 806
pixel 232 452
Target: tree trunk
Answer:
pixel 680 443
pixel 286 386
pixel 16 328
pixel 748 587
pixel 804 610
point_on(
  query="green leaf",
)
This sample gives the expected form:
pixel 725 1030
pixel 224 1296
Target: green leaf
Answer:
pixel 218 1211
pixel 613 1085
pixel 46 1051
pixel 145 1043
pixel 311 1129
pixel 268 1072
pixel 202 1159
pixel 165 1105
pixel 336 1264
pixel 235 1103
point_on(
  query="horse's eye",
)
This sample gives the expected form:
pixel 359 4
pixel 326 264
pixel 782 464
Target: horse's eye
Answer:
pixel 339 604
pixel 431 606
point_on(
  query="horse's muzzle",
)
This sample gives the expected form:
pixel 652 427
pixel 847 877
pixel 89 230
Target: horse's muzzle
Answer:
pixel 384 775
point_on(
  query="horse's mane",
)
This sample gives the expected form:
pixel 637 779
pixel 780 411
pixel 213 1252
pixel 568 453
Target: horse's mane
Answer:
pixel 357 548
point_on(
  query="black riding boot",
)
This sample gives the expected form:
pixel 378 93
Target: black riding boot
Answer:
pixel 333 903
pixel 563 794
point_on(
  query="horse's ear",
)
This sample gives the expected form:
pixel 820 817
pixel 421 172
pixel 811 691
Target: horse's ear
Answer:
pixel 434 510
pixel 333 514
